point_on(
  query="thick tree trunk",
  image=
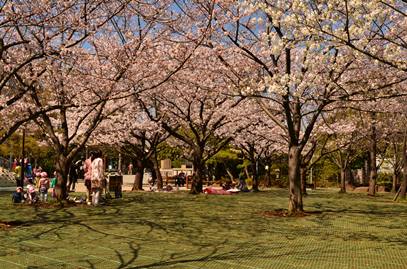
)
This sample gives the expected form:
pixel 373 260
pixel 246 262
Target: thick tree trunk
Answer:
pixel 158 173
pixel 303 175
pixel 295 204
pixel 62 167
pixel 138 179
pixel 197 179
pixel 343 180
pixel 372 153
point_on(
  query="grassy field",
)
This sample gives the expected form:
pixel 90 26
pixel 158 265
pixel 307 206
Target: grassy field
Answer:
pixel 177 230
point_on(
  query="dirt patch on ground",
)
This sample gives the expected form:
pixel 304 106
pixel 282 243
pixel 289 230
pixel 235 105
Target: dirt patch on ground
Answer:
pixel 284 213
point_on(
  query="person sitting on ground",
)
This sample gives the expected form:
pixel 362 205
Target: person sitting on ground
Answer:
pixel 18 196
pixel 168 188
pixel 44 186
pixel 227 185
pixel 151 184
pixel 31 194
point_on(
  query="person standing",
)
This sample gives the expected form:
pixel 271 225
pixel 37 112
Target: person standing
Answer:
pixel 73 176
pixel 14 165
pixel 17 170
pixel 87 169
pixel 53 184
pixel 44 186
pixel 130 169
pixel 97 178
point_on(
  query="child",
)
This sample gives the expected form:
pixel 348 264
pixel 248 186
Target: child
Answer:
pixel 37 179
pixel 44 186
pixel 18 196
pixel 31 194
pixel 53 184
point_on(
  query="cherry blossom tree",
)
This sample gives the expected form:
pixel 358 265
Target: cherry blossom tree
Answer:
pixel 290 70
pixel 125 48
pixel 394 124
pixel 84 100
pixel 134 134
pixel 256 135
pixel 30 33
pixel 373 29
pixel 192 108
pixel 345 137
pixel 274 55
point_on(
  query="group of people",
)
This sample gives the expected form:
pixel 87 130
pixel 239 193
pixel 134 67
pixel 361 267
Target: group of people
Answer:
pixel 36 191
pixel 94 177
pixel 38 187
pixel 29 172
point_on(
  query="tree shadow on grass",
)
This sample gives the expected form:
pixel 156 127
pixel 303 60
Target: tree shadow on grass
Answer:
pixel 233 257
pixel 215 248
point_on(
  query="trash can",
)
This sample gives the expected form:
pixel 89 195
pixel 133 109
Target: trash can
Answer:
pixel 115 185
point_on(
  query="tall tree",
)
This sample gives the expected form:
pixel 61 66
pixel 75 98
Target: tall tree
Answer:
pixel 32 32
pixel 92 81
pixel 193 108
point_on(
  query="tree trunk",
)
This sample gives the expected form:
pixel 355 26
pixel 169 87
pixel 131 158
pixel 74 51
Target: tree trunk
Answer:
pixel 229 174
pixel 403 186
pixel 394 185
pixel 295 196
pixel 246 171
pixel 303 175
pixel 197 179
pixel 255 184
pixel 157 172
pixel 62 168
pixel 366 170
pixel 138 179
pixel 372 153
pixel 343 180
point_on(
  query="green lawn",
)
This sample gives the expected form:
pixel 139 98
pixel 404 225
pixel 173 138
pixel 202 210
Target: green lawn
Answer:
pixel 177 230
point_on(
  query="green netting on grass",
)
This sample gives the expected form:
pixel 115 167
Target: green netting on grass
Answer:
pixel 177 230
